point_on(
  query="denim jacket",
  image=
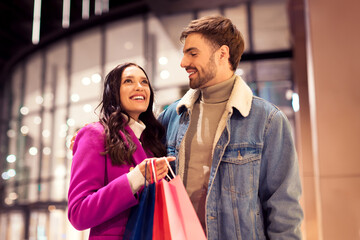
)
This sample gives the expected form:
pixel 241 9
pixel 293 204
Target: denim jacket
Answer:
pixel 254 186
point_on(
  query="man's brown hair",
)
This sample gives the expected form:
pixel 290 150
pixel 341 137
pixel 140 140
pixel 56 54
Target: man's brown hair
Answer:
pixel 219 31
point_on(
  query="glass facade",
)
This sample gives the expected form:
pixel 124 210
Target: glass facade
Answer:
pixel 54 92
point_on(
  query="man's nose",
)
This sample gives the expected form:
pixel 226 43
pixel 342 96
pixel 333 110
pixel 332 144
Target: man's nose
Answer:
pixel 183 62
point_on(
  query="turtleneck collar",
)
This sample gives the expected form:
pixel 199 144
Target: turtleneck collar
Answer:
pixel 240 98
pixel 218 93
pixel 136 126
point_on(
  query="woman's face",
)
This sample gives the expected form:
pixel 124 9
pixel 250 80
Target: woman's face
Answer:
pixel 134 91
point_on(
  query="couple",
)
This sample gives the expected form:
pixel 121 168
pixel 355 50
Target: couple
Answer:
pixel 234 151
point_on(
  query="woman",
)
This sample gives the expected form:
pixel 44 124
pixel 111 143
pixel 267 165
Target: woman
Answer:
pixel 108 166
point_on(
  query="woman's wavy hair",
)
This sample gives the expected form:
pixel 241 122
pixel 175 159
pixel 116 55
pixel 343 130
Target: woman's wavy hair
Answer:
pixel 113 120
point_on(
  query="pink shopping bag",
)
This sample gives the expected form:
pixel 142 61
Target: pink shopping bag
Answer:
pixel 175 217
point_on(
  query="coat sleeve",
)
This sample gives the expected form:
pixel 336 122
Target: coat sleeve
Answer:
pixel 280 186
pixel 90 202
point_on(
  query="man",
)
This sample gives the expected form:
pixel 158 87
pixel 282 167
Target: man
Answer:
pixel 235 152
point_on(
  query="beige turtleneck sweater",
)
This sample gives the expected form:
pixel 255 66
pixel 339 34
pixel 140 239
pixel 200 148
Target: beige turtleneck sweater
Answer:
pixel 199 140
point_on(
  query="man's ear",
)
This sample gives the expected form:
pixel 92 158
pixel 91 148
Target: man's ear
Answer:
pixel 224 53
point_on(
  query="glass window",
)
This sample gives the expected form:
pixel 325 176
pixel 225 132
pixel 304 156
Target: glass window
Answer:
pixel 3 225
pixel 239 17
pixel 86 86
pixel 82 114
pixel 56 79
pixel 168 77
pixel 125 42
pixel 47 141
pixel 33 88
pixel 271 80
pixel 273 70
pixel 270 26
pixel 12 135
pixel 57 228
pixel 16 83
pixel 59 154
pixel 15 226
pixel 38 225
pixel 86 51
pixel 209 12
pixel 31 147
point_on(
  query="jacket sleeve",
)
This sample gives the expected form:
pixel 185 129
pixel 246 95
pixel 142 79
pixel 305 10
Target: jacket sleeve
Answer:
pixel 168 114
pixel 280 186
pixel 166 118
pixel 90 202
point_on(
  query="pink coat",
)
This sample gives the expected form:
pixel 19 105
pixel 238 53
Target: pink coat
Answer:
pixel 104 209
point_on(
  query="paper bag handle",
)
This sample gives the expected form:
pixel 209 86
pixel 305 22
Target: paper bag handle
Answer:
pixel 172 172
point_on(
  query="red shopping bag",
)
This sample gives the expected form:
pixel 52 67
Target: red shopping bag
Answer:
pixel 174 215
pixel 161 224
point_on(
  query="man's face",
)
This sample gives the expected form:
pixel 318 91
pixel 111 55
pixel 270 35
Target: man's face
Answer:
pixel 199 61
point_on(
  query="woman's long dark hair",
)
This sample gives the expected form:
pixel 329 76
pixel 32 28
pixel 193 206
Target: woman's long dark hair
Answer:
pixel 113 120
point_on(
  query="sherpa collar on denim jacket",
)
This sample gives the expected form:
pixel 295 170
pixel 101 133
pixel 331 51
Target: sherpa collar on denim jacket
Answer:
pixel 240 98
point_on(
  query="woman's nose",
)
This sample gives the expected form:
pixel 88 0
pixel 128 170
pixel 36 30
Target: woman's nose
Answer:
pixel 138 86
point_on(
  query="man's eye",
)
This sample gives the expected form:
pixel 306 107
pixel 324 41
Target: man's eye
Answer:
pixel 193 54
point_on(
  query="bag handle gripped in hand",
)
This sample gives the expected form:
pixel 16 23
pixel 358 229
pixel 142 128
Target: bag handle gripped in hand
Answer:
pixel 172 172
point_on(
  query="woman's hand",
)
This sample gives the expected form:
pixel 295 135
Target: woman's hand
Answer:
pixel 159 164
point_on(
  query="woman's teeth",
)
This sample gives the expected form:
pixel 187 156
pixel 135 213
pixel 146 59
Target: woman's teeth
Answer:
pixel 138 98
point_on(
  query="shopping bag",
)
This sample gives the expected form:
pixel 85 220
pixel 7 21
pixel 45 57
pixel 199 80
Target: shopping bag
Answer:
pixel 175 212
pixel 140 222
pixel 161 228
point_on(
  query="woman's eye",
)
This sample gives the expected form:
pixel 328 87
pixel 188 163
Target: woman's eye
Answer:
pixel 145 82
pixel 127 81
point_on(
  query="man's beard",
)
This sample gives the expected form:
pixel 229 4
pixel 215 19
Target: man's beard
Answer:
pixel 209 73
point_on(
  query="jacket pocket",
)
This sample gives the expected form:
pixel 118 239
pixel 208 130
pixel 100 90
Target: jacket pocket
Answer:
pixel 240 168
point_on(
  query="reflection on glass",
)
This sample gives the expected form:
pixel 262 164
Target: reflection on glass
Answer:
pixel 46 151
pixel 96 78
pixel 39 99
pixel 87 108
pixel 11 158
pixel 164 74
pixel 295 102
pixel 46 133
pixel 33 151
pixel 37 120
pixel 24 110
pixel 163 60
pixel 24 130
pixel 70 122
pixel 239 71
pixel 5 175
pixel 13 195
pixel 85 81
pixel 11 133
pixel 75 97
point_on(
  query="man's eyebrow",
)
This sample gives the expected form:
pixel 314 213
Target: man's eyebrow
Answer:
pixel 189 49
